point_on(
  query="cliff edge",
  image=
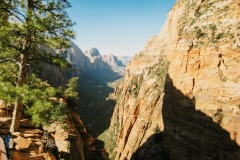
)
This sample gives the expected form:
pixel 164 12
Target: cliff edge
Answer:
pixel 180 96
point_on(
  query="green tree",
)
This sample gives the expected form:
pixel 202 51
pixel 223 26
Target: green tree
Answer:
pixel 28 29
pixel 71 93
pixel 72 88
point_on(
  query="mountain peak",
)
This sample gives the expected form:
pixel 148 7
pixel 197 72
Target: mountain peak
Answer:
pixel 112 60
pixel 93 52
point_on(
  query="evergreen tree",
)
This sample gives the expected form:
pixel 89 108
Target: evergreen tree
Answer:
pixel 28 29
pixel 71 93
pixel 72 90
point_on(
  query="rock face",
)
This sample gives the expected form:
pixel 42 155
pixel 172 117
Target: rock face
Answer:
pixel 115 64
pixel 77 58
pixel 180 96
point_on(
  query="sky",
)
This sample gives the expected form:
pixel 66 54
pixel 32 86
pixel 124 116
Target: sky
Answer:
pixel 120 27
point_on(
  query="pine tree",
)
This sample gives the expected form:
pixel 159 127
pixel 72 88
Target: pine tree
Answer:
pixel 72 90
pixel 28 29
pixel 71 93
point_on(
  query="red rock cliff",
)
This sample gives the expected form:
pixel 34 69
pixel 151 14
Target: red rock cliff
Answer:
pixel 180 96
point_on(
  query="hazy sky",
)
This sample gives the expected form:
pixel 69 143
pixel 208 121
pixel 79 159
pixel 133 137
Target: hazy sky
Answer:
pixel 121 27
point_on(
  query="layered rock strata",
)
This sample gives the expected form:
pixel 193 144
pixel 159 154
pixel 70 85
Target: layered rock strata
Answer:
pixel 191 111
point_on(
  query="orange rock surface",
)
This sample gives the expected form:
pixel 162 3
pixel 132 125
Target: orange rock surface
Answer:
pixel 194 111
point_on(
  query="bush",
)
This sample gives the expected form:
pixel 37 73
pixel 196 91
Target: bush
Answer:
pixel 198 32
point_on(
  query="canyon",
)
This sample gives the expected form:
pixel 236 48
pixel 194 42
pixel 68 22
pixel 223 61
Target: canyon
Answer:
pixel 72 140
pixel 180 95
pixel 178 99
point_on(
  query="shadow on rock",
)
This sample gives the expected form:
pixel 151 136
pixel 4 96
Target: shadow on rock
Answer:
pixel 92 106
pixel 188 134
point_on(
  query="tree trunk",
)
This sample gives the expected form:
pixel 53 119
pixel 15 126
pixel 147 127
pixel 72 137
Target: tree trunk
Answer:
pixel 18 106
pixel 17 115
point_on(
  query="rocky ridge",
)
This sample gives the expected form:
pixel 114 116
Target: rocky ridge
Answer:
pixel 180 95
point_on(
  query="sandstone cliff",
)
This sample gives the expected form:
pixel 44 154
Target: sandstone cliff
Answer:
pixel 180 95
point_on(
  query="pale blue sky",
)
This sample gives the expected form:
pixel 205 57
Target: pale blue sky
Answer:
pixel 121 27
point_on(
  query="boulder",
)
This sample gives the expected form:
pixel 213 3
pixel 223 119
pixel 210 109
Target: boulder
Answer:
pixel 22 143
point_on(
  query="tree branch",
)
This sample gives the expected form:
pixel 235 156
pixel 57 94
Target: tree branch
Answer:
pixel 16 48
pixel 12 14
pixel 2 60
pixel 45 61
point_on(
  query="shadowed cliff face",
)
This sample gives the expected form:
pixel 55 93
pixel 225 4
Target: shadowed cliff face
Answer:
pixel 188 133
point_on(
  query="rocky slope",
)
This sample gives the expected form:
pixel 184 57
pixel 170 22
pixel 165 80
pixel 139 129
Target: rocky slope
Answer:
pixel 180 95
pixel 70 141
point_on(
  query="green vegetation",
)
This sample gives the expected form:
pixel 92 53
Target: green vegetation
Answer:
pixel 159 71
pixel 93 105
pixel 197 12
pixel 72 90
pixel 135 85
pixel 28 29
pixel 219 36
pixel 194 23
pixel 115 83
pixel 110 139
pixel 71 93
pixel 198 32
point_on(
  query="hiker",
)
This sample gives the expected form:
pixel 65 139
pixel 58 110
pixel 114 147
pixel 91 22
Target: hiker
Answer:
pixel 3 154
pixel 8 144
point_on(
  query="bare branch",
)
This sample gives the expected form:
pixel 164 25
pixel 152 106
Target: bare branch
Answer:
pixel 2 60
pixel 20 14
pixel 12 14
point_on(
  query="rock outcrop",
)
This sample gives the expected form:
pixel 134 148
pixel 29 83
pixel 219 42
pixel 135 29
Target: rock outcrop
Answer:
pixel 70 141
pixel 180 95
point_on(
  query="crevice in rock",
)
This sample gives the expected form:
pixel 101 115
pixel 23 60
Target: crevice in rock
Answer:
pixel 193 83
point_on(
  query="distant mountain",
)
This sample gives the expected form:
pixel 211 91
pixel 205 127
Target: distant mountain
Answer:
pixel 115 64
pixel 105 68
pixel 92 54
pixel 77 58
pixel 124 59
